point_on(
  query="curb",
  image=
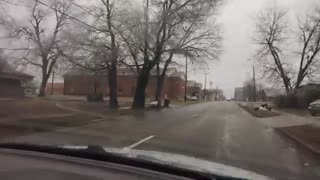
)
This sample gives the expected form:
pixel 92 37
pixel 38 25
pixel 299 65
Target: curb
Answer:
pixel 299 141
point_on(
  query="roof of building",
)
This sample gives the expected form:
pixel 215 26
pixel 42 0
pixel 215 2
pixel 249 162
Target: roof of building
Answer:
pixel 271 92
pixel 239 88
pixel 6 71
pixel 171 72
pixel 310 84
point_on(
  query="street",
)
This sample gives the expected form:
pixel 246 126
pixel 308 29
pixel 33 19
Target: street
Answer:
pixel 220 132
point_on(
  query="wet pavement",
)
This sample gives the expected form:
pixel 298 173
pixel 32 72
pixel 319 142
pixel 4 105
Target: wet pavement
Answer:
pixel 220 132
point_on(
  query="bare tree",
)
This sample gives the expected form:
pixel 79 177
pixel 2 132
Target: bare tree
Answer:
pixel 96 47
pixel 272 34
pixel 84 49
pixel 271 31
pixel 43 40
pixel 194 40
pixel 106 17
pixel 174 29
pixel 310 40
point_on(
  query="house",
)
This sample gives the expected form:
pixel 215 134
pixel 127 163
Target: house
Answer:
pixel 81 82
pixel 272 93
pixel 308 87
pixel 213 95
pixel 194 88
pixel 11 81
pixel 239 94
pixel 58 88
pixel 307 94
pixel 249 93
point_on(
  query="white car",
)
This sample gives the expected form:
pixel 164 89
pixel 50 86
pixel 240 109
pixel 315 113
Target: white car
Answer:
pixel 194 98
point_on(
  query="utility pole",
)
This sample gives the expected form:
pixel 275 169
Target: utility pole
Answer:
pixel 146 38
pixel 186 83
pixel 254 85
pixel 52 81
pixel 205 86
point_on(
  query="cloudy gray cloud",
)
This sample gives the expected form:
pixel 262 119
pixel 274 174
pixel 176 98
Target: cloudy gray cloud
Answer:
pixel 237 20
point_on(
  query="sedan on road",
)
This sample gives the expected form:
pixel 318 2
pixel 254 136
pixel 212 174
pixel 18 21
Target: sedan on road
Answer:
pixel 314 107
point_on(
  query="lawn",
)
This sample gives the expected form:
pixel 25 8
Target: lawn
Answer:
pixel 28 107
pixel 29 115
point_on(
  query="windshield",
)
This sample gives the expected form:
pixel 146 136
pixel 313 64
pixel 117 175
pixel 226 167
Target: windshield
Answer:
pixel 225 81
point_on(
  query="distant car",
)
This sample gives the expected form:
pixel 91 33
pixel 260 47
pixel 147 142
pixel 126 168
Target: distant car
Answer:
pixel 314 107
pixel 194 98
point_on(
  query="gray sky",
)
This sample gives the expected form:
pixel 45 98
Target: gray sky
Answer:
pixel 237 20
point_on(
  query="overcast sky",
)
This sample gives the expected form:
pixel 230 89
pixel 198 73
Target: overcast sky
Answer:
pixel 237 19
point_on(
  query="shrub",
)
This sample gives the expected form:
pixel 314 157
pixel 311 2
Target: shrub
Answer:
pixel 286 101
pixel 308 97
pixel 298 100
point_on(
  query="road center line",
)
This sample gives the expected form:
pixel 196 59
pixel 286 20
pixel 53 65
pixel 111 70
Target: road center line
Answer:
pixel 139 142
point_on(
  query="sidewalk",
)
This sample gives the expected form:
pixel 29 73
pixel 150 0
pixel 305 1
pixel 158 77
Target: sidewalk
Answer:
pixel 305 130
pixel 288 120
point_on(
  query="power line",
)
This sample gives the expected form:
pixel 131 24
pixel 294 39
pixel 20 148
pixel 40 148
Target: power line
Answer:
pixel 15 49
pixel 15 4
pixel 82 8
pixel 71 17
pixel 46 5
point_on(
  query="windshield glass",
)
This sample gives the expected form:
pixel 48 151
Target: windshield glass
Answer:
pixel 225 81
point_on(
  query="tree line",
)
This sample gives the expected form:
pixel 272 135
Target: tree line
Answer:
pixel 107 34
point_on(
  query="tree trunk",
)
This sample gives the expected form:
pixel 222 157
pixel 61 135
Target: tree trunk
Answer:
pixel 159 86
pixel 44 82
pixel 142 82
pixel 43 86
pixel 160 79
pixel 159 90
pixel 113 86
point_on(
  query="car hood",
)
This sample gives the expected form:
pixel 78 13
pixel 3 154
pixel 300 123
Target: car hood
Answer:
pixel 182 161
pixel 317 102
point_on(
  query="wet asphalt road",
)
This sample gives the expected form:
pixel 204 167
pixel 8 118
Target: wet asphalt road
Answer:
pixel 220 132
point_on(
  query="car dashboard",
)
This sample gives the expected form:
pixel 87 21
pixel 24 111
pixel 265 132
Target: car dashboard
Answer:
pixel 27 165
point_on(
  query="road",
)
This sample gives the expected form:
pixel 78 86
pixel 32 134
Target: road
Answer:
pixel 220 132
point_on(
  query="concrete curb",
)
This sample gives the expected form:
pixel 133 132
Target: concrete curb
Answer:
pixel 299 141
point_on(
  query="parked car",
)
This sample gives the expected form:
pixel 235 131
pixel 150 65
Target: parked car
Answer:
pixel 314 107
pixel 194 98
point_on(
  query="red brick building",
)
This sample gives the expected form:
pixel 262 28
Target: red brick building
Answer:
pixel 194 89
pixel 58 88
pixel 79 82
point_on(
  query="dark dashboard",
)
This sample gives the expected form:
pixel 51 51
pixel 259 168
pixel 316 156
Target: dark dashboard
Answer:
pixel 26 165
